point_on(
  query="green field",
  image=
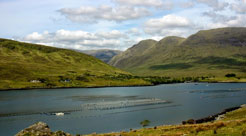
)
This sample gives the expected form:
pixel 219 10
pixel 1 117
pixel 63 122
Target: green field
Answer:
pixel 24 65
pixel 213 53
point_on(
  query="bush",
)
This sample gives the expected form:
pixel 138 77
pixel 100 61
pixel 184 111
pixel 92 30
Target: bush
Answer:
pixel 145 123
pixel 42 80
pixel 243 133
pixel 230 75
pixel 82 78
pixel 191 121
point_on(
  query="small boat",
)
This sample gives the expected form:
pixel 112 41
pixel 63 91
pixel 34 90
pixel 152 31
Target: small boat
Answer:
pixel 59 114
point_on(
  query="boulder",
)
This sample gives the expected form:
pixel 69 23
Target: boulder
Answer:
pixel 40 129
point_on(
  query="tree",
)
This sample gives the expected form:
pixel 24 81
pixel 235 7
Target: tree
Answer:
pixel 145 123
pixel 230 75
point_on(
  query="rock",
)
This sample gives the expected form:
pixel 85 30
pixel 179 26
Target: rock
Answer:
pixel 220 117
pixel 243 106
pixel 37 129
pixel 40 129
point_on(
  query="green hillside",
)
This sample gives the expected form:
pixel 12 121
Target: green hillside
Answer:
pixel 24 65
pixel 213 53
pixel 134 54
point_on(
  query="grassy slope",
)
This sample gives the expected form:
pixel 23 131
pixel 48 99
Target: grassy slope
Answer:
pixel 234 124
pixel 207 53
pixel 22 62
pixel 134 55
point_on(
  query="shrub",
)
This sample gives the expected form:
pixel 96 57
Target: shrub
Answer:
pixel 191 121
pixel 42 80
pixel 82 78
pixel 230 75
pixel 243 133
pixel 145 123
pixel 215 132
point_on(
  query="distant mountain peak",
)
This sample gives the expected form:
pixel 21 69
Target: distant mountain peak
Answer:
pixel 102 54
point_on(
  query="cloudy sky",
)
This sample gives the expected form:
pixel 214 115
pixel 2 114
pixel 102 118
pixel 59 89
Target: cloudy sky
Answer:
pixel 113 24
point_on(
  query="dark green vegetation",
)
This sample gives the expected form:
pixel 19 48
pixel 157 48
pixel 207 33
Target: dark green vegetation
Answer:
pixel 24 65
pixel 208 53
pixel 230 75
pixel 145 123
pixel 104 54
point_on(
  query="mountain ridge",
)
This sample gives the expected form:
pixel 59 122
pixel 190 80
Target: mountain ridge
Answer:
pixel 205 53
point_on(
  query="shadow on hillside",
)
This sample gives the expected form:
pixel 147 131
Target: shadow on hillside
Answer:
pixel 171 66
pixel 220 61
pixel 216 62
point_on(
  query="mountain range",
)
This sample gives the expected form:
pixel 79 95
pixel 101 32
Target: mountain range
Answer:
pixel 213 53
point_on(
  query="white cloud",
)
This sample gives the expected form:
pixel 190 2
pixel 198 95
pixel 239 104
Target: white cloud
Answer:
pixel 216 17
pixel 136 19
pixel 148 3
pixel 134 31
pixel 239 7
pixel 114 34
pixel 215 4
pixel 187 4
pixel 168 22
pixel 238 21
pixel 167 5
pixel 101 42
pixel 79 39
pixel 94 14
pixel 73 35
pixel 34 36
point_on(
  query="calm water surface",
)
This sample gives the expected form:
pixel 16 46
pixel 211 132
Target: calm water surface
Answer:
pixel 19 109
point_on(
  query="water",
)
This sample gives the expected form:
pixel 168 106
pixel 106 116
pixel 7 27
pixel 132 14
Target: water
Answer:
pixel 19 109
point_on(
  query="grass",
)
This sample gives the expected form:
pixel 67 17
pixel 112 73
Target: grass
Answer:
pixel 21 63
pixel 24 65
pixel 215 52
pixel 234 124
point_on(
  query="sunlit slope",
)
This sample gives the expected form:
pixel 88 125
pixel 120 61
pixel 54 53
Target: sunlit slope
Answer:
pixel 213 52
pixel 24 65
pixel 134 55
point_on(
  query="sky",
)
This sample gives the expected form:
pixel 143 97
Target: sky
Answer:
pixel 113 24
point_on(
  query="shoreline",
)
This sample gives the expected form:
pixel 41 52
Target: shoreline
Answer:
pixel 218 123
pixel 211 118
pixel 16 89
pixel 196 121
